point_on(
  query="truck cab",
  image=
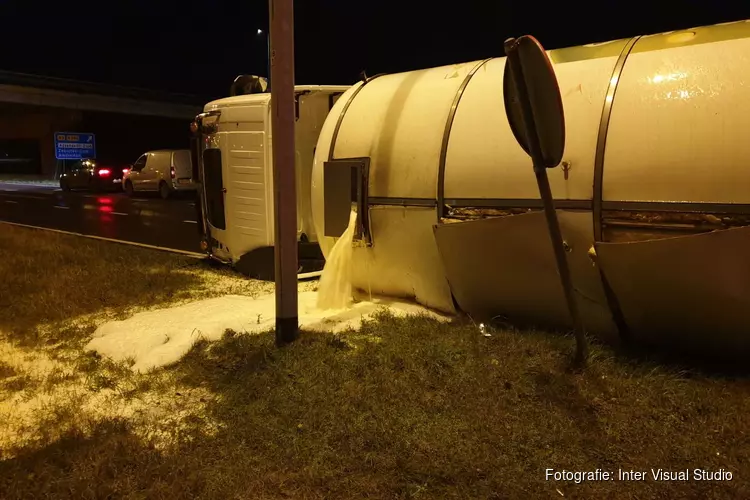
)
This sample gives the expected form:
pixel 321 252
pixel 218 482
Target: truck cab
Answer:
pixel 232 161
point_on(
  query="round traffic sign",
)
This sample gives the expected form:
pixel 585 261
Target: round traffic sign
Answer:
pixel 539 89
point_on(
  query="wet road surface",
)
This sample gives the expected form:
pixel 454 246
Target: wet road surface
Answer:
pixel 144 219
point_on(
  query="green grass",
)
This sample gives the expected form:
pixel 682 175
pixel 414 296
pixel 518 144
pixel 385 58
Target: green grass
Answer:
pixel 44 278
pixel 50 278
pixel 405 408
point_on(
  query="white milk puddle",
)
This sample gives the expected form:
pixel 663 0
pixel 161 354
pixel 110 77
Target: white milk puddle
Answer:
pixel 161 337
pixel 335 289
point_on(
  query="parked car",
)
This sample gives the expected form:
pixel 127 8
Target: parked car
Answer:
pixel 94 175
pixel 164 171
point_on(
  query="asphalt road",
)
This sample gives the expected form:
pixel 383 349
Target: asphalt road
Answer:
pixel 144 219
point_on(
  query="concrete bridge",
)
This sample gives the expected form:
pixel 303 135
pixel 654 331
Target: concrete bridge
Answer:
pixel 20 88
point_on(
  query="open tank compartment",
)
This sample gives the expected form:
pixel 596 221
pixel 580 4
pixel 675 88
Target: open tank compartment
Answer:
pixel 687 292
pixel 346 189
pixel 505 266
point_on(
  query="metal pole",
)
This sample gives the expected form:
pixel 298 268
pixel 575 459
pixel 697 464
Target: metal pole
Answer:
pixel 546 194
pixel 281 13
pixel 268 58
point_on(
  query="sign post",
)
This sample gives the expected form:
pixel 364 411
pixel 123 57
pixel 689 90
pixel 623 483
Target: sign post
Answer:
pixel 535 113
pixel 281 14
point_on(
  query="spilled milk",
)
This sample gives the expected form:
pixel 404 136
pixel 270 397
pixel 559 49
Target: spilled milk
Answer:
pixel 335 287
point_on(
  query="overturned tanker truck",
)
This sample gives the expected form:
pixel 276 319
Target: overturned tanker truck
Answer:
pixel 653 193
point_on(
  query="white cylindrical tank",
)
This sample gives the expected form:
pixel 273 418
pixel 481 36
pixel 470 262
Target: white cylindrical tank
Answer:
pixel 654 125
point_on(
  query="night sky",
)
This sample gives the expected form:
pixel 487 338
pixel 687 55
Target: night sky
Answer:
pixel 198 47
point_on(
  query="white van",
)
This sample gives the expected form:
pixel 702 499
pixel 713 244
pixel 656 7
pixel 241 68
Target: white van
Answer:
pixel 234 167
pixel 163 171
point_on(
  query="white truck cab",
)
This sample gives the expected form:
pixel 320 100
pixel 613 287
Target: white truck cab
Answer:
pixel 234 167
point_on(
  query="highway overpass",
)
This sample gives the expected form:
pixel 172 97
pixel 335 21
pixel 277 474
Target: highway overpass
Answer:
pixel 36 90
pixel 126 121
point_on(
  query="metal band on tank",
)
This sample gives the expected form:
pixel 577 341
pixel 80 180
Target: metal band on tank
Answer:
pixel 601 143
pixel 446 138
pixel 340 119
pixel 618 318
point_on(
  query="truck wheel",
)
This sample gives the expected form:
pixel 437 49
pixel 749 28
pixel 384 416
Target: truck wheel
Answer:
pixel 164 190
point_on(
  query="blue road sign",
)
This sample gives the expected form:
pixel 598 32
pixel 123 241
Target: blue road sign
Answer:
pixel 74 146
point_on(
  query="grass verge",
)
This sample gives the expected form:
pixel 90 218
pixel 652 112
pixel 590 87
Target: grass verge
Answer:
pixel 405 408
pixel 48 279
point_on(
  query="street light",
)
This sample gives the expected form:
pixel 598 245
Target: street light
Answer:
pixel 260 32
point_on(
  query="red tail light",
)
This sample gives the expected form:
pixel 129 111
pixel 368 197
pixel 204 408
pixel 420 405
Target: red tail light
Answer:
pixel 125 170
pixel 171 171
pixel 104 172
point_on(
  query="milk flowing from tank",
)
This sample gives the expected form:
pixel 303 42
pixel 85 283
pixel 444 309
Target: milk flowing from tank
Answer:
pixel 335 288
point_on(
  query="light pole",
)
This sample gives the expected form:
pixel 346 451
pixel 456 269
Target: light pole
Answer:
pixel 268 56
pixel 284 178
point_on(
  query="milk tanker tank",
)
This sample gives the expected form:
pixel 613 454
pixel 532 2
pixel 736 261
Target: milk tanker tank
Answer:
pixel 653 193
